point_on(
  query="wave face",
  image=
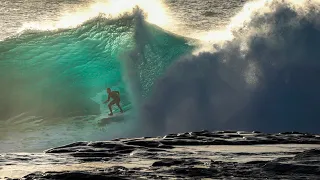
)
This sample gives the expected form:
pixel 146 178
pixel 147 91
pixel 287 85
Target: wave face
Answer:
pixel 266 78
pixel 65 72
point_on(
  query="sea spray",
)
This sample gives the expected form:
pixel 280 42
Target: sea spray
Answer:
pixel 265 78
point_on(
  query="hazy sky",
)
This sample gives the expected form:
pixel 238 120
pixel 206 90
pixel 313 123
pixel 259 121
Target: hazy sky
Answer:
pixel 191 16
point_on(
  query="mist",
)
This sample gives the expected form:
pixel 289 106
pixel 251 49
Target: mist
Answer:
pixel 265 78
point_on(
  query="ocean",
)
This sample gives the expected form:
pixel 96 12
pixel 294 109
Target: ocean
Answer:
pixel 178 65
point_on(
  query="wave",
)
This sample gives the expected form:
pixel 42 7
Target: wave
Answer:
pixel 65 72
pixel 264 78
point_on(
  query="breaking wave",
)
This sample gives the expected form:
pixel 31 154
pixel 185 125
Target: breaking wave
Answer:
pixel 266 77
pixel 64 73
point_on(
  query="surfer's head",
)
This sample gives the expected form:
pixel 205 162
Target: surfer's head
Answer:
pixel 108 90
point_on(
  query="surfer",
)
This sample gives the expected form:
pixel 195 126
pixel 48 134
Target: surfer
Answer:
pixel 115 95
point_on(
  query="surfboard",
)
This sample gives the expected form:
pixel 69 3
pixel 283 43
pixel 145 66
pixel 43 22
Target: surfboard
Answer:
pixel 115 118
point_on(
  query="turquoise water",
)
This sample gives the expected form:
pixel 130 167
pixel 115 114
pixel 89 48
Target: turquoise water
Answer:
pixel 57 73
pixel 54 81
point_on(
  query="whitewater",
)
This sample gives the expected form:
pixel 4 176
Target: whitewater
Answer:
pixel 258 73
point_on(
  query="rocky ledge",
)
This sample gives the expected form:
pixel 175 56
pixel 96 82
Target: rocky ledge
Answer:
pixel 193 155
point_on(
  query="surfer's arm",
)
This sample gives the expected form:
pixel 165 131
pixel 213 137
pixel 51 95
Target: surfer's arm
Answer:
pixel 107 99
pixel 117 92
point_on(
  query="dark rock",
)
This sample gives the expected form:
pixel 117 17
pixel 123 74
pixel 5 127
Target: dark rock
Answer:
pixel 170 136
pixel 144 154
pixel 164 146
pixel 168 162
pixel 125 151
pixel 184 135
pixel 103 144
pixel 181 142
pixel 60 150
pixel 235 135
pixel 156 150
pixel 64 148
pixel 142 143
pixel 118 169
pixel 226 131
pixel 201 133
pixel 195 172
pixel 308 136
pixel 96 154
pixel 72 176
pixel 257 163
pixel 215 135
pixel 94 159
pixel 284 168
pixel 174 162
pixel 312 153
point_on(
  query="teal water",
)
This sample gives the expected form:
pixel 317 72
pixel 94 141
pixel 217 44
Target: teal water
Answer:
pixel 58 73
pixel 53 76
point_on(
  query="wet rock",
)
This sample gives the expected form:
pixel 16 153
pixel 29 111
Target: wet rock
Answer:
pixel 168 162
pixel 259 163
pixel 180 156
pixel 235 136
pixel 170 136
pixel 94 159
pixel 156 150
pixel 93 154
pixel 284 168
pixel 72 176
pixel 66 148
pixel 175 162
pixel 312 153
pixel 106 144
pixel 142 143
pixel 60 150
pixel 195 172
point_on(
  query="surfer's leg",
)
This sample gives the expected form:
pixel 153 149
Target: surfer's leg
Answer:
pixel 118 104
pixel 110 108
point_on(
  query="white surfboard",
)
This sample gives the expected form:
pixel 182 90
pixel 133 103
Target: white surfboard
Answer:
pixel 115 118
